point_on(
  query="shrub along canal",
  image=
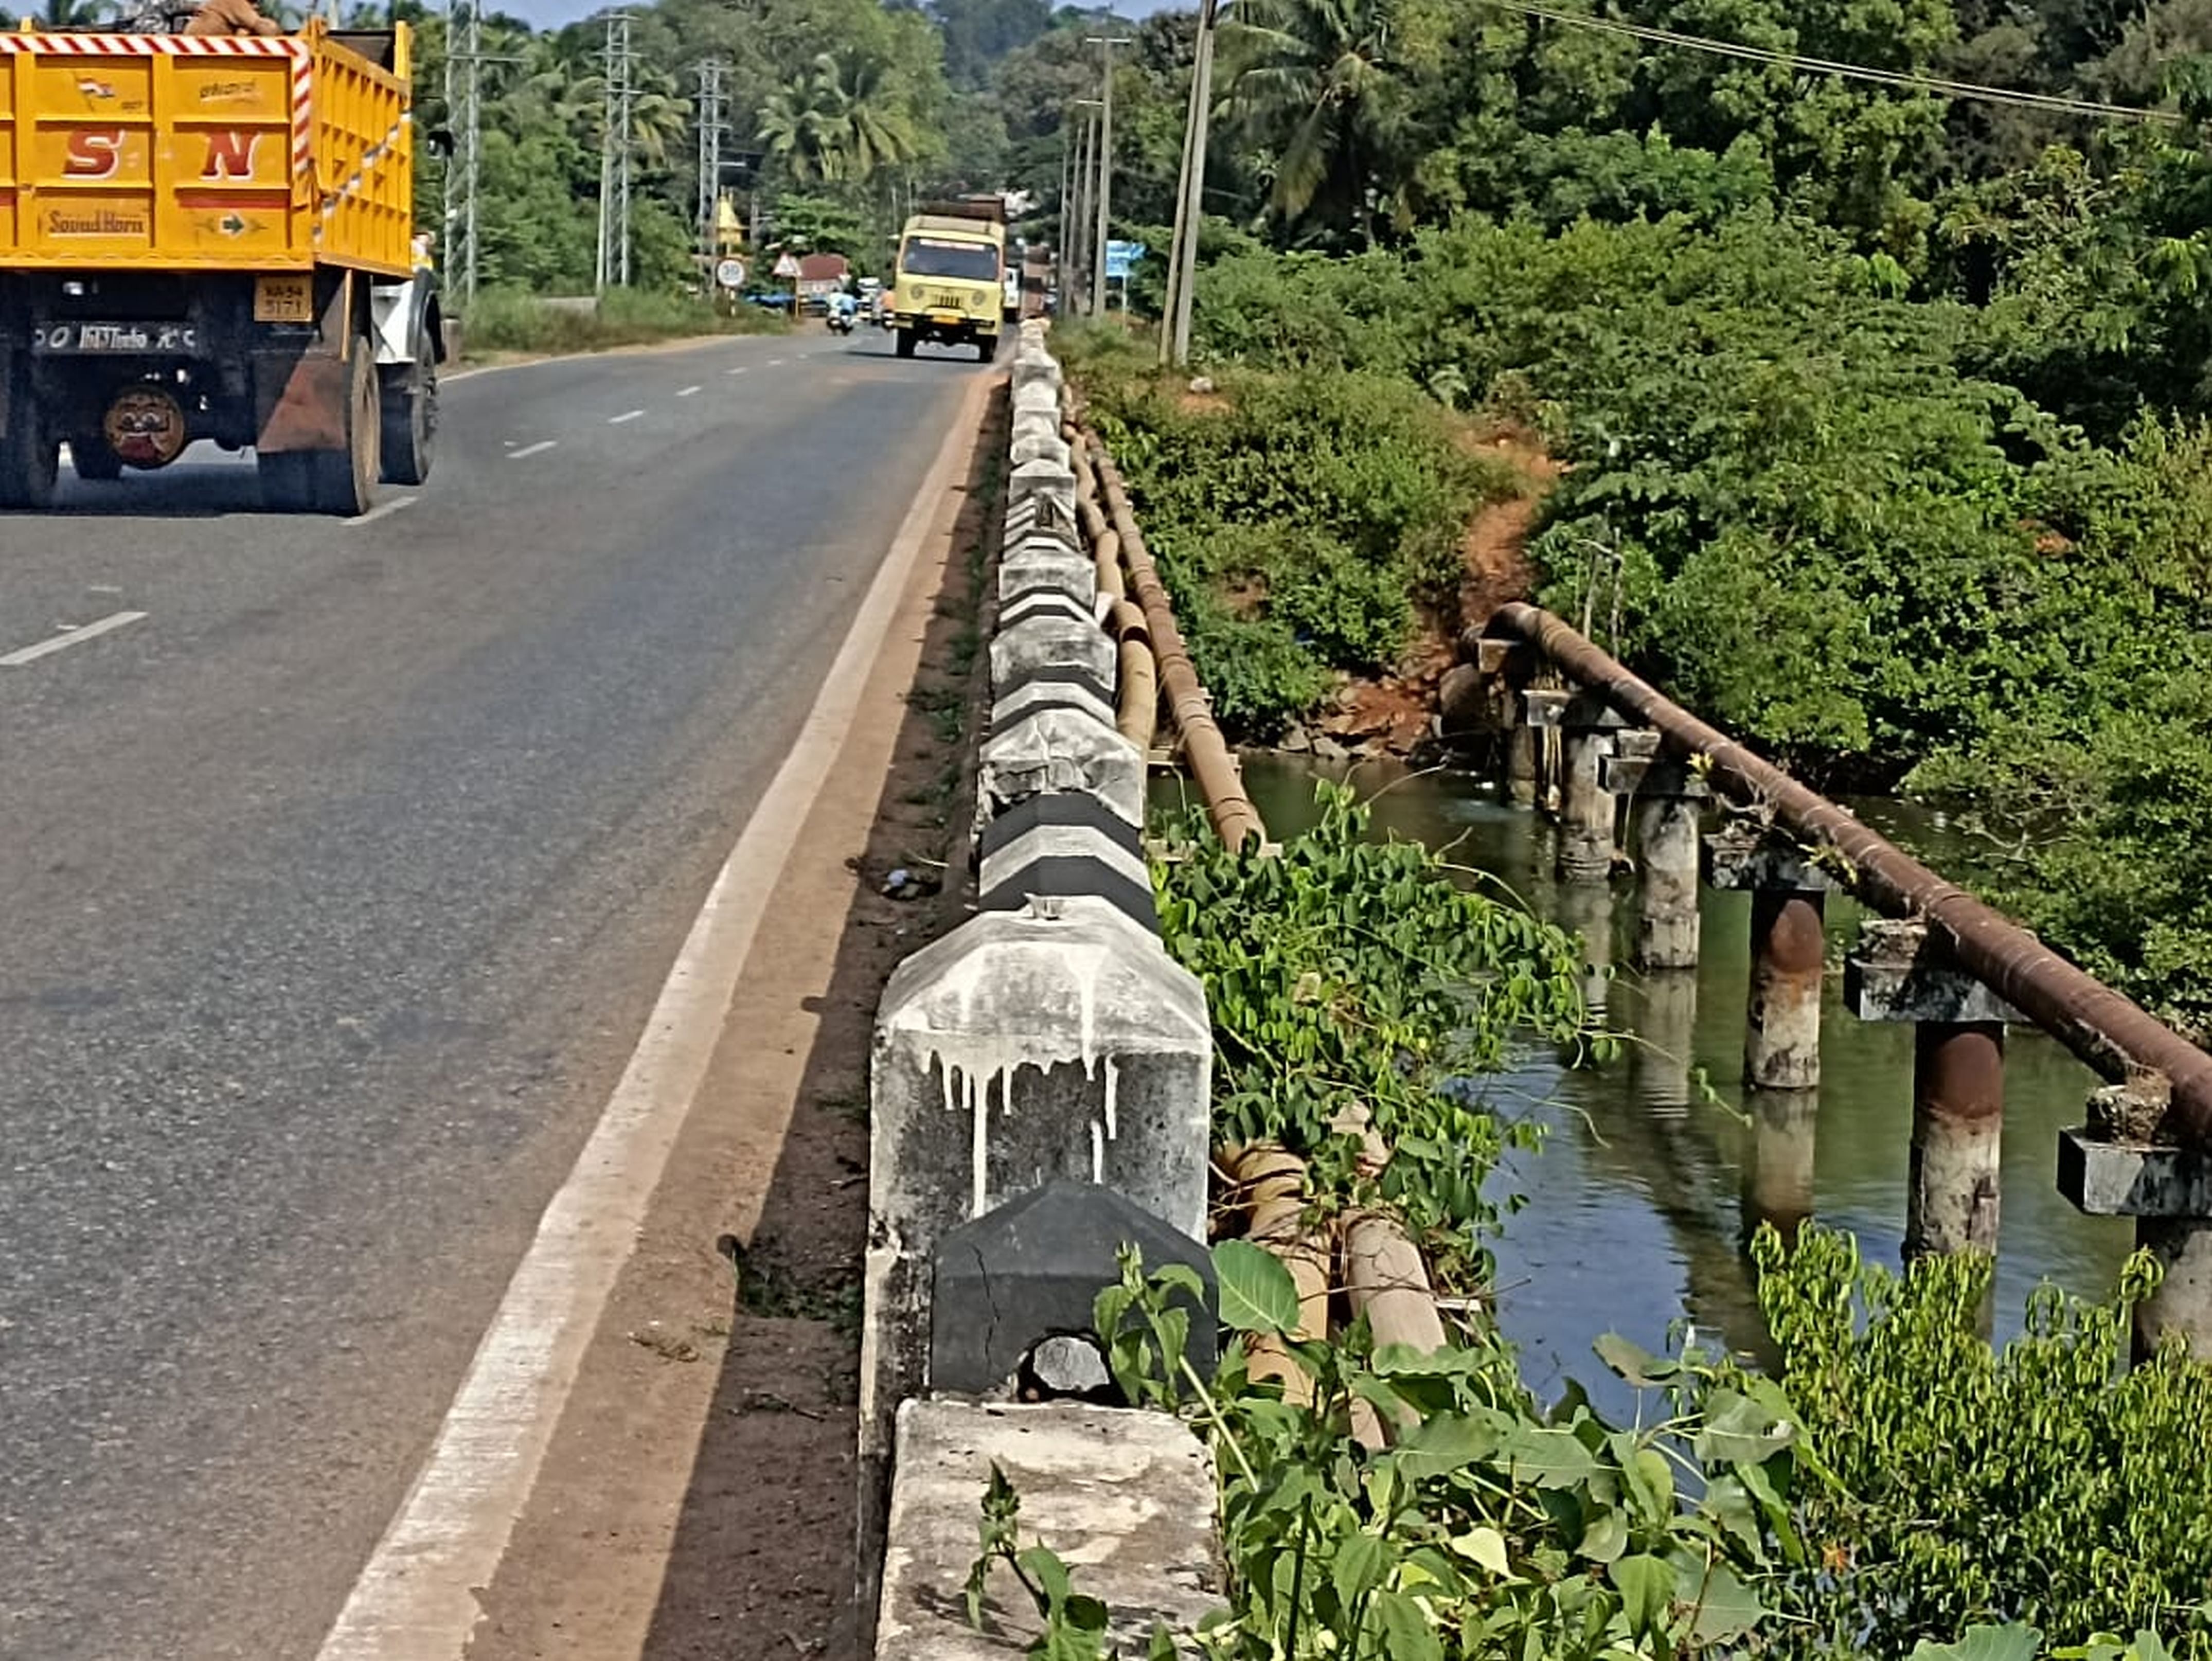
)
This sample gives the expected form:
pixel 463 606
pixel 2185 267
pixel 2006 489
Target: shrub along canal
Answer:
pixel 1656 1167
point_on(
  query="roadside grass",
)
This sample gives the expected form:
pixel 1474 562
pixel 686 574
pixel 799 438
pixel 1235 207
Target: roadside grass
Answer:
pixel 511 320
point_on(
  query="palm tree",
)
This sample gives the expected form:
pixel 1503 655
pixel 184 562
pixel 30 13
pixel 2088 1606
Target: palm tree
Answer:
pixel 1313 82
pixel 870 131
pixel 801 126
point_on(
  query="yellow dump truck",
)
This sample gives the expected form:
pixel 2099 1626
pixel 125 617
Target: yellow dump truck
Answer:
pixel 213 238
pixel 951 265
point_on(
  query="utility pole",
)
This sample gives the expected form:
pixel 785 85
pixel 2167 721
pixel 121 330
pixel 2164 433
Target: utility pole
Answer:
pixel 1190 191
pixel 1060 258
pixel 614 156
pixel 464 112
pixel 1105 43
pixel 1085 179
pixel 712 128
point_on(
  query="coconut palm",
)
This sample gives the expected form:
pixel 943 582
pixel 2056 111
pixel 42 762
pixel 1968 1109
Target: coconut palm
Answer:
pixel 1314 84
pixel 870 131
pixel 802 128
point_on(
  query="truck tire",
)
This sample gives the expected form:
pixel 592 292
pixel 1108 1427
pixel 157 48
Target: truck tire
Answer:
pixel 345 480
pixel 30 457
pixel 288 481
pixel 987 348
pixel 93 457
pixel 903 341
pixel 410 416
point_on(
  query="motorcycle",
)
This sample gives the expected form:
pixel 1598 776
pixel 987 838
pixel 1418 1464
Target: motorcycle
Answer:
pixel 840 322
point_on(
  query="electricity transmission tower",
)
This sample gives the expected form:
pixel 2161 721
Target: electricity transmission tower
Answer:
pixel 713 129
pixel 615 154
pixel 464 115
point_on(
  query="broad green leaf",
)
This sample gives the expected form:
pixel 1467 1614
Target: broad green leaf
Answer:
pixel 1637 1365
pixel 2015 1642
pixel 1486 1546
pixel 1406 1635
pixel 1607 1536
pixel 1362 1560
pixel 1646 1585
pixel 1727 1608
pixel 1445 1444
pixel 1650 1479
pixel 1257 1292
pixel 1548 1457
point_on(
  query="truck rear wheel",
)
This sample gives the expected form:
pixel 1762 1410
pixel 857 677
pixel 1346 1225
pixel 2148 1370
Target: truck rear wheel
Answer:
pixel 30 456
pixel 345 480
pixel 93 457
pixel 410 418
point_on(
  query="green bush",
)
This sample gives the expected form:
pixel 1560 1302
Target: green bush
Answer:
pixel 2044 1482
pixel 511 320
pixel 1301 521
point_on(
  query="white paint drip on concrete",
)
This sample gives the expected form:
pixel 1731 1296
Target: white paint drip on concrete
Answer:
pixel 416 1599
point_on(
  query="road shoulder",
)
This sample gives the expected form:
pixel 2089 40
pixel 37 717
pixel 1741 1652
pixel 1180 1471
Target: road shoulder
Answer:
pixel 697 1497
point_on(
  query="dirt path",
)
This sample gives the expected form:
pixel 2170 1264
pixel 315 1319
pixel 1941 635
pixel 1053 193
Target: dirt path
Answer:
pixel 698 1498
pixel 1391 715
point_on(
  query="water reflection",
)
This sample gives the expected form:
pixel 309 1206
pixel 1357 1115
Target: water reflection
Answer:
pixel 1658 1166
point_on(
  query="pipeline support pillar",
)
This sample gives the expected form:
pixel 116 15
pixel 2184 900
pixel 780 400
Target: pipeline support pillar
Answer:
pixel 2128 1161
pixel 1789 952
pixel 1896 973
pixel 1587 809
pixel 1666 801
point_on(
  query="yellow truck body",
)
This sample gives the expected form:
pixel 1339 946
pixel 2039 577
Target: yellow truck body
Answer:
pixel 181 153
pixel 950 284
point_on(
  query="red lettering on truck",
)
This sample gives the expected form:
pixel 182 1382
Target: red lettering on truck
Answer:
pixel 229 156
pixel 93 152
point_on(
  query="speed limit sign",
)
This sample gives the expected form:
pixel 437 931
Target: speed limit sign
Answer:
pixel 731 273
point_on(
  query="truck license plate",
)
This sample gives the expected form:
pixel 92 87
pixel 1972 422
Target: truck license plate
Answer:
pixel 284 299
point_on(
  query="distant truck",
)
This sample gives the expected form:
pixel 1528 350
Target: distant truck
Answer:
pixel 213 238
pixel 949 285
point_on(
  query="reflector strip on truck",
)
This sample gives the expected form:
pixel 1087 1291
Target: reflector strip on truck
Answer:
pixel 43 44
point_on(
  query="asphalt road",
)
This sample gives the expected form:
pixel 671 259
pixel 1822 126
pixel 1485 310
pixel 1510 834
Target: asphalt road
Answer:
pixel 337 886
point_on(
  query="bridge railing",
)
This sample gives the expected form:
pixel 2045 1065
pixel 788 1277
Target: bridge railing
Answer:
pixel 1937 957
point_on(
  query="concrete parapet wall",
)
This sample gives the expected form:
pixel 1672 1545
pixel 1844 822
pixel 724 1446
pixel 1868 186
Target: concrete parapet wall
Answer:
pixel 1048 1039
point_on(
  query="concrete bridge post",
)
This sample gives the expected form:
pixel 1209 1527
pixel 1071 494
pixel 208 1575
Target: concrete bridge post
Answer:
pixel 1666 798
pixel 1896 974
pixel 1788 952
pixel 1511 664
pixel 2128 1161
pixel 1587 809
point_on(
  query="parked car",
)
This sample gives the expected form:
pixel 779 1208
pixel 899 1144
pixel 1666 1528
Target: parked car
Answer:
pixel 771 300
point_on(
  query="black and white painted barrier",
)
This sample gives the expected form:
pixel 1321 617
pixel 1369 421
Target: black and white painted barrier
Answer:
pixel 1039 1093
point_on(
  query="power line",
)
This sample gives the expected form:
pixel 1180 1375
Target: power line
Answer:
pixel 2051 103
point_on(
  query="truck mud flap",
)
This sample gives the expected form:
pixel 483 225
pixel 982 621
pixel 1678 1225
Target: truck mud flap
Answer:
pixel 300 390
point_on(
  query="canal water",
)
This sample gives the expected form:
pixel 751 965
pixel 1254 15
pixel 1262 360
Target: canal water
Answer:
pixel 1655 1168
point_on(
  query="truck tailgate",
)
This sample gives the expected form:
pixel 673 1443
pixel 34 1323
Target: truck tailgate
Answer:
pixel 180 152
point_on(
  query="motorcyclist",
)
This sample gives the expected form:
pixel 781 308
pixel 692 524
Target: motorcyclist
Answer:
pixel 843 308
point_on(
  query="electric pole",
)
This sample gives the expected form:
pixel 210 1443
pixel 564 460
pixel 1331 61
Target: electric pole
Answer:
pixel 712 128
pixel 1190 189
pixel 1105 43
pixel 1080 251
pixel 463 113
pixel 614 156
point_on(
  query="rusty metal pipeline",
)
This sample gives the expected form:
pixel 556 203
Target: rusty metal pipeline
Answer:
pixel 2114 1035
pixel 1235 820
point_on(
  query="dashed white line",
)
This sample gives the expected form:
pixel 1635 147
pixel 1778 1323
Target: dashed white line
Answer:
pixel 772 361
pixel 685 391
pixel 528 450
pixel 69 637
pixel 627 415
pixel 398 504
pixel 740 369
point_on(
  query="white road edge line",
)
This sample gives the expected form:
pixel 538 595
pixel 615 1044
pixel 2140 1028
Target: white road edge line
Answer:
pixel 398 504
pixel 627 415
pixel 69 637
pixel 685 391
pixel 415 1599
pixel 528 450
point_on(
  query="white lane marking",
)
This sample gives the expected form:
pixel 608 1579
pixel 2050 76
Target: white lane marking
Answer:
pixel 740 369
pixel 528 450
pixel 685 391
pixel 415 1599
pixel 772 361
pixel 398 504
pixel 627 415
pixel 69 637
